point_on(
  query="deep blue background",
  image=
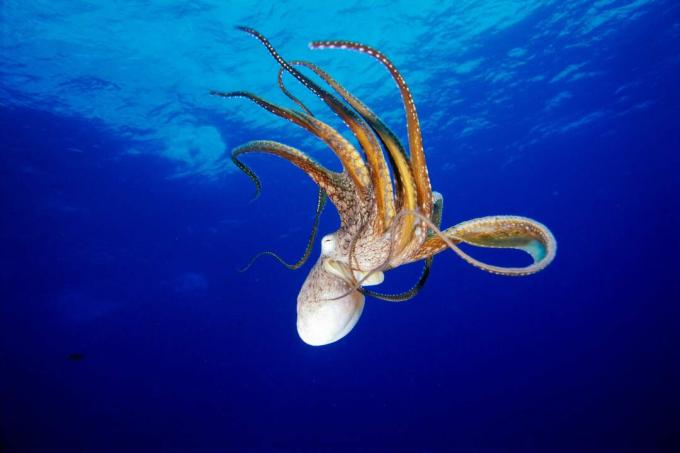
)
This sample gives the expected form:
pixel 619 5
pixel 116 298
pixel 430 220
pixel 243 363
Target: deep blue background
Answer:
pixel 107 254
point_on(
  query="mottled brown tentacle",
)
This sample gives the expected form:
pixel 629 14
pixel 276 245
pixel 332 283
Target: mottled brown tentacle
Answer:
pixel 389 139
pixel 406 191
pixel 425 273
pixel 418 163
pixel 382 185
pixel 320 204
pixel 498 232
pixel 348 155
pixel 337 185
pixel 290 95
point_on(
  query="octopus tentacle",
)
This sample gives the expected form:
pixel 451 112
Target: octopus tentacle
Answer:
pixel 320 204
pixel 425 273
pixel 497 232
pixel 354 284
pixel 408 294
pixel 337 185
pixel 321 201
pixel 394 147
pixel 348 155
pixel 382 184
pixel 437 211
pixel 251 174
pixel 406 192
pixel 290 95
pixel 418 164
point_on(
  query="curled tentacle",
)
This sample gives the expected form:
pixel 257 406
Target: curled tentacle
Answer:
pixel 321 203
pixel 251 174
pixel 337 185
pixel 382 184
pixel 418 164
pixel 408 294
pixel 514 232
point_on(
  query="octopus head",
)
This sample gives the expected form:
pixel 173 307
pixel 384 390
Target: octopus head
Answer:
pixel 329 303
pixel 327 307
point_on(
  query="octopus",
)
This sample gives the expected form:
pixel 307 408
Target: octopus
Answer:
pixel 389 214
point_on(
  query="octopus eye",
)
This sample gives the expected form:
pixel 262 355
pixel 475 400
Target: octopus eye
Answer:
pixel 328 244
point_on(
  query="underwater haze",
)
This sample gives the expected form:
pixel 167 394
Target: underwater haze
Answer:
pixel 125 324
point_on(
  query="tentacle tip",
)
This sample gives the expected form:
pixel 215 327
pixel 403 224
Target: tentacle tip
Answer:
pixel 247 266
pixel 221 94
pixel 250 31
pixel 216 93
pixel 226 94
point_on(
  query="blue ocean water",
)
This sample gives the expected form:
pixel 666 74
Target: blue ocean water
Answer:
pixel 125 325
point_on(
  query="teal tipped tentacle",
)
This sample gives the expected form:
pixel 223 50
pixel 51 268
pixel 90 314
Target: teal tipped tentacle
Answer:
pixel 515 232
pixel 504 232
